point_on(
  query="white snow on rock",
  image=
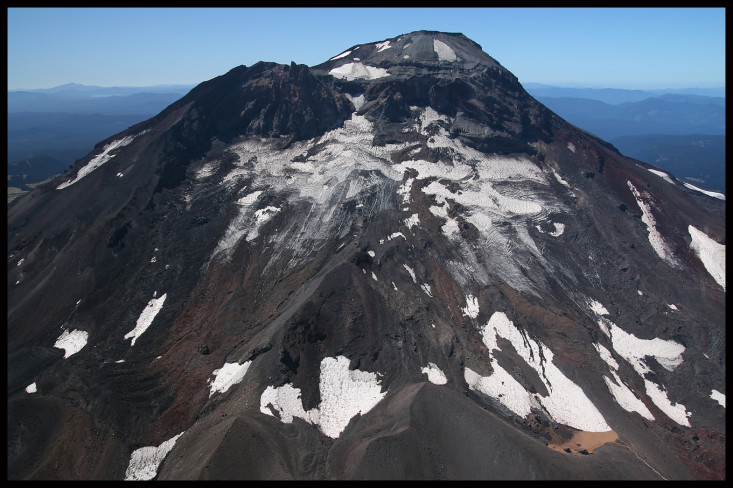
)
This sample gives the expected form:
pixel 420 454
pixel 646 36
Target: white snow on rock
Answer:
pixel 715 395
pixel 566 402
pixel 144 462
pixel 672 306
pixel 621 393
pixel 667 353
pixel 710 253
pixel 146 318
pixel 655 238
pixel 713 194
pixel 571 146
pixel 32 388
pixel 342 55
pixel 445 53
pixel 411 271
pixel 374 277
pixel 371 253
pixel 261 217
pixel 412 221
pixel 98 160
pixel 426 288
pixel 358 101
pixel 72 341
pixel 597 307
pixel 435 375
pixel 471 308
pixel 381 46
pixel 559 229
pixel 396 235
pixel 249 199
pixel 662 174
pixel 344 394
pixel 227 376
pixel 354 71
pixel 20 261
pixel 676 411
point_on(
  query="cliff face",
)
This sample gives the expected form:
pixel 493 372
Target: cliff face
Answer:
pixel 395 264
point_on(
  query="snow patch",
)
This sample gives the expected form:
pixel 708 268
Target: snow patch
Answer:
pixel 381 46
pixel 710 253
pixel 144 462
pixel 371 253
pixel 411 271
pixel 445 53
pixel 426 288
pixel 571 146
pixel 344 394
pixel 662 174
pixel 435 375
pixel 72 341
pixel 358 101
pixel 32 388
pixel 374 276
pixel 655 238
pixel 597 307
pixel 471 308
pixel 98 160
pixel 621 393
pixel 672 306
pixel 227 376
pixel 412 221
pixel 676 411
pixel 146 318
pixel 713 194
pixel 342 55
pixel 715 395
pixel 354 71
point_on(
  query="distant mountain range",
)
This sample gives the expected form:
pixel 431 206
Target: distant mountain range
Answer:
pixel 49 129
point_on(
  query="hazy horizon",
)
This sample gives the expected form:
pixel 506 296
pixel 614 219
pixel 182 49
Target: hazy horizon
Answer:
pixel 626 48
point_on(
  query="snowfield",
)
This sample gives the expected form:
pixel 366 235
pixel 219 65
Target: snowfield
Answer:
pixel 566 402
pixel 355 71
pixel 634 350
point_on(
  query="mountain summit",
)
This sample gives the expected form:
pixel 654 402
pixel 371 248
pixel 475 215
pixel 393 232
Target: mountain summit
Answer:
pixel 396 264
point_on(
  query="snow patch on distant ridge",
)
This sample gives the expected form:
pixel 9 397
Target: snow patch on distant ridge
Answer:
pixel 99 159
pixel 444 51
pixel 713 194
pixel 655 238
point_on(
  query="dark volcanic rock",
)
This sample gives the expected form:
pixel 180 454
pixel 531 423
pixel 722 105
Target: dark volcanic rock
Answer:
pixel 257 283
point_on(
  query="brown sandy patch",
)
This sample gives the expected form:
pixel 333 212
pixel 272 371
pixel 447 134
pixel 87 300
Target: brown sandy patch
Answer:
pixel 581 441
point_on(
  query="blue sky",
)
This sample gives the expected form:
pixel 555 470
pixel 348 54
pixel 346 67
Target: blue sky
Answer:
pixel 641 48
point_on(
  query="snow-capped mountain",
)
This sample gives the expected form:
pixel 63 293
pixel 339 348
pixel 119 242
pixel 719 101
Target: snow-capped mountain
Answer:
pixel 394 264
